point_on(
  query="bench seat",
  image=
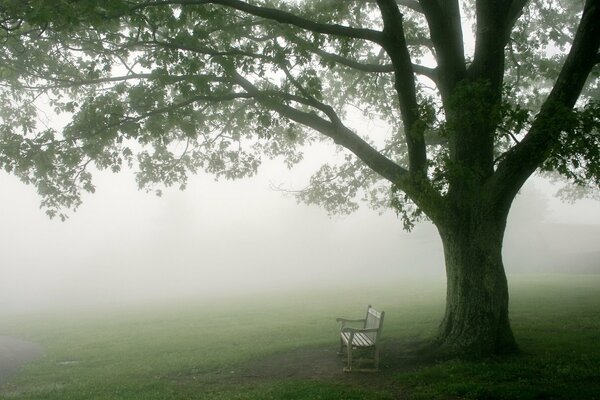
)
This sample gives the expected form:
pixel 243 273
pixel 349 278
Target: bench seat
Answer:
pixel 359 339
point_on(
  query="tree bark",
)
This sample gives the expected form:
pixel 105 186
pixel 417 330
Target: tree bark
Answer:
pixel 476 319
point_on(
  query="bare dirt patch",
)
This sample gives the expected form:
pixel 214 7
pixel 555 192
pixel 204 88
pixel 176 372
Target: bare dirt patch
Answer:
pixel 301 363
pixel 314 364
pixel 14 353
pixel 323 363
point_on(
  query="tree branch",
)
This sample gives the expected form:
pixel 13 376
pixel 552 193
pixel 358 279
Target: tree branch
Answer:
pixel 203 49
pixel 431 73
pixel 495 21
pixel 280 16
pixel 420 190
pixel 212 98
pixel 68 83
pixel 410 4
pixel 523 159
pixel 514 12
pixel 333 129
pixel 395 45
pixel 493 31
pixel 446 34
pixel 365 67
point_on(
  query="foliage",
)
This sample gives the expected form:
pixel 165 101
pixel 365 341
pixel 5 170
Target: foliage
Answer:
pixel 578 156
pixel 173 88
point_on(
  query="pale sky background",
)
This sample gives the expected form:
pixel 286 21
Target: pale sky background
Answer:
pixel 220 238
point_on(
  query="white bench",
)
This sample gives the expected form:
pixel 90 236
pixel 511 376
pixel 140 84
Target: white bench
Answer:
pixel 366 337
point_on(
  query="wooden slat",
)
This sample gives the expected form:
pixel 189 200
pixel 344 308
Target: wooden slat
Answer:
pixel 363 340
pixel 374 313
pixel 359 339
pixel 373 320
pixel 346 337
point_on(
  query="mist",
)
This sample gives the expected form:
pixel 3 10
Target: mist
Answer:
pixel 224 239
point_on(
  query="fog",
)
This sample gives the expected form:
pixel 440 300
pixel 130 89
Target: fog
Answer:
pixel 228 238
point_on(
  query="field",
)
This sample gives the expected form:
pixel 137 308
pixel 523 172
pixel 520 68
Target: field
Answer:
pixel 282 346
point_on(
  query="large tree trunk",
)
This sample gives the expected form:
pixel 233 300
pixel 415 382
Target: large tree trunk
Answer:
pixel 476 319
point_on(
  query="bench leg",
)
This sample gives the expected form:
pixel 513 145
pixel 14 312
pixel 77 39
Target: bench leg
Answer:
pixel 349 367
pixel 376 358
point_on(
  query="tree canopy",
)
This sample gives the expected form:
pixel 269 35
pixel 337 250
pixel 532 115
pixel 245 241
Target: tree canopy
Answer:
pixel 476 95
pixel 181 86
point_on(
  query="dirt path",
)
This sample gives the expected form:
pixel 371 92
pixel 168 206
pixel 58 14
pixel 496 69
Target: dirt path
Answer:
pixel 324 363
pixel 14 353
pixel 314 364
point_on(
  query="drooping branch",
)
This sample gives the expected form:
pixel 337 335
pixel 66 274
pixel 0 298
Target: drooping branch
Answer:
pixel 358 65
pixel 280 16
pixel 395 45
pixel 205 98
pixel 200 49
pixel 528 155
pixel 63 83
pixel 418 189
pixel 380 68
pixel 410 4
pixel 367 67
pixel 332 128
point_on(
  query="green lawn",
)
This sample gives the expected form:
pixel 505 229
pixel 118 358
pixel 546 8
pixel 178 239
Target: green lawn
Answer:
pixel 196 349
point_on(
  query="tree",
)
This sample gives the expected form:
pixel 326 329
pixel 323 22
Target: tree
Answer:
pixel 176 86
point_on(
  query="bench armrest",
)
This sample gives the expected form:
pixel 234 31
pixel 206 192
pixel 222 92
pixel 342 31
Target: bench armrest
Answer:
pixel 349 320
pixel 359 330
pixel 345 321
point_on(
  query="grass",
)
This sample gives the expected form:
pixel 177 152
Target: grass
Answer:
pixel 195 349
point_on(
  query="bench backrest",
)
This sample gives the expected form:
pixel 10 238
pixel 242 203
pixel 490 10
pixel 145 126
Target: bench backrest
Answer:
pixel 374 319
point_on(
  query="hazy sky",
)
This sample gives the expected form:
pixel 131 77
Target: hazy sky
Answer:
pixel 233 237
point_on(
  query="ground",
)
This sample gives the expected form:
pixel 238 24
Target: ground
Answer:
pixel 284 347
pixel 317 364
pixel 305 363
